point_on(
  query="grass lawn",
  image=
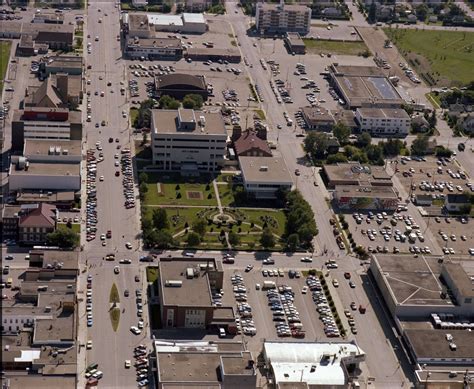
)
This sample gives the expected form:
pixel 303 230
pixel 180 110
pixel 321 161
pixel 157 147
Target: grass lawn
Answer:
pixel 152 273
pixel 255 216
pixel 188 193
pixel 115 318
pixel 260 114
pixel 75 227
pixel 445 55
pixel 133 115
pixel 114 294
pixel 224 177
pixel 4 59
pixel 434 99
pixel 226 195
pixel 318 46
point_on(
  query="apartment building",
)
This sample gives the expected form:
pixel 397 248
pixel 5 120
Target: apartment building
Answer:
pixel 281 18
pixel 383 122
pixel 188 141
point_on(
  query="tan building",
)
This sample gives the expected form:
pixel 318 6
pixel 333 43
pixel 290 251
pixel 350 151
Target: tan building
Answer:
pixel 282 18
pixel 188 141
pixel 36 221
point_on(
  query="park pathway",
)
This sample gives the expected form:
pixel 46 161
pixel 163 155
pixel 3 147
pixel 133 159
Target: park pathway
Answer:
pixel 219 206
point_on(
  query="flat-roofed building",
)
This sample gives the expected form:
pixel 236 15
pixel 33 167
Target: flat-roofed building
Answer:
pixel 365 198
pixel 264 176
pixel 68 64
pixel 154 48
pixel 364 86
pixel 42 150
pixel 188 141
pixel 353 173
pixel 282 18
pixel 61 199
pixel 213 53
pixel 204 364
pixel 460 284
pixel 44 176
pixel 185 294
pixel 318 118
pixel 383 122
pixel 10 219
pixel 294 43
pixel 315 364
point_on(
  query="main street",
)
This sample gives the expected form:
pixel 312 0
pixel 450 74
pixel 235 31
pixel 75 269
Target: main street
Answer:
pixel 110 349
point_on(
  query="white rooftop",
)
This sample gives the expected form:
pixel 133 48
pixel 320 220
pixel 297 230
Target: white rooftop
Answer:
pixel 312 363
pixel 193 18
pixel 160 20
pixel 28 356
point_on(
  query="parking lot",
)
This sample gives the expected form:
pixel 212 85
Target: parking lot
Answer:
pixel 453 234
pixel 334 31
pixel 431 175
pixel 264 302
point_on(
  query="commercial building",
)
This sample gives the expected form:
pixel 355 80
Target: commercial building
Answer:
pixel 188 141
pixel 48 17
pixel 364 86
pixel 67 64
pixel 44 151
pixel 10 219
pixel 456 202
pixel 213 54
pixel 318 118
pixel 56 91
pixel 263 177
pixel 360 198
pixel 282 18
pixel 45 123
pixel 294 43
pixel 312 364
pixel 44 176
pixel 383 122
pixel 178 85
pixel 204 364
pixel 185 294
pixel 154 48
pixel 146 25
pixel 354 173
pixel 60 199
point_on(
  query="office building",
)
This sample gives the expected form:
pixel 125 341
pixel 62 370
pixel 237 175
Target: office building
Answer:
pixel 154 48
pixel 383 122
pixel 188 141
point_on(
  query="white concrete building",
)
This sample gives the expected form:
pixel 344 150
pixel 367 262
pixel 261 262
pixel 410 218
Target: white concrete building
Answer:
pixel 188 141
pixel 282 18
pixel 263 176
pixel 383 122
pixel 316 364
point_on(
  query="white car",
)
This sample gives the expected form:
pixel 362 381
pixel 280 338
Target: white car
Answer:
pixel 306 259
pixel 128 364
pixel 135 330
pixel 128 245
pixel 101 178
pixel 89 344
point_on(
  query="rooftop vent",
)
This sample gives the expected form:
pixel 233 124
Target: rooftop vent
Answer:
pixel 263 168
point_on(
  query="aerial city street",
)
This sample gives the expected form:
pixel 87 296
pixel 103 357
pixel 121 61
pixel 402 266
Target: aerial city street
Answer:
pixel 237 194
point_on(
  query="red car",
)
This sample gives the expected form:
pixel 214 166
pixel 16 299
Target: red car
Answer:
pixel 109 234
pixel 362 309
pixel 117 173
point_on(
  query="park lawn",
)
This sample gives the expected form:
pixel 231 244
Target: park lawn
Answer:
pixel 318 46
pixel 168 194
pixel 133 116
pixel 224 177
pixel 226 195
pixel 114 296
pixel 178 217
pixel 448 53
pixel 254 216
pixel 75 227
pixel 115 318
pixel 4 59
pixel 434 99
pixel 152 273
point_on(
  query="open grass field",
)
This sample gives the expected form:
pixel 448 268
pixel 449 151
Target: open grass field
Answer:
pixel 75 227
pixel 318 46
pixel 4 59
pixel 446 56
pixel 173 191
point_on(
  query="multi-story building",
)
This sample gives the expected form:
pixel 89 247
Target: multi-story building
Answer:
pixel 36 221
pixel 188 141
pixel 154 48
pixel 264 176
pixel 384 122
pixel 281 18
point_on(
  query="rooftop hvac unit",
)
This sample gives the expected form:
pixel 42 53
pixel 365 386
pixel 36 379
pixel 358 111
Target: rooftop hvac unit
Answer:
pixel 65 152
pixel 263 168
pixel 189 273
pixel 174 283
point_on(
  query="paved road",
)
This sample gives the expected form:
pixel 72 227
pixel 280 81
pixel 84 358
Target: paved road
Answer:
pixel 110 348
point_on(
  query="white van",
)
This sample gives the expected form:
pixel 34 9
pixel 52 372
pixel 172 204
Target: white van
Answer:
pixel 222 333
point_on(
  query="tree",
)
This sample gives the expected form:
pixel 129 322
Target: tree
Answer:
pixel 234 239
pixel 193 101
pixel 307 232
pixel 336 158
pixel 392 147
pixel 193 239
pixel 167 102
pixel 143 189
pixel 144 138
pixel 143 177
pixel 375 154
pixel 408 109
pixel 420 145
pixel 341 132
pixel 144 113
pixel 160 219
pixel 372 16
pixel 364 139
pixel 199 227
pixel 63 238
pixel 164 239
pixel 422 12
pixel 293 242
pixel 432 120
pixel 316 143
pixel 442 151
pixel 267 240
